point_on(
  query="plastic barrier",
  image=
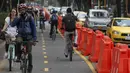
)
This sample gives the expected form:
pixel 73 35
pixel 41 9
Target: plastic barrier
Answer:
pixel 83 40
pixel 104 62
pixel 79 30
pixel 98 36
pixel 60 25
pixel 120 59
pixel 88 43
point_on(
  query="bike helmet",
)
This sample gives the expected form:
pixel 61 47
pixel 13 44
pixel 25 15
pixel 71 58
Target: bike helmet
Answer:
pixel 22 6
pixel 54 11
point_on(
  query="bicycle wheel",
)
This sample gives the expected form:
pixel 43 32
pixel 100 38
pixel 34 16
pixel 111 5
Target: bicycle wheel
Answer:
pixel 54 34
pixel 70 55
pixel 24 65
pixel 10 59
pixel 70 48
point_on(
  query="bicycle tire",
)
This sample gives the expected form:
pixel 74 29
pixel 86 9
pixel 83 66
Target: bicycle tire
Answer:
pixel 10 60
pixel 71 55
pixel 54 34
pixel 24 65
pixel 41 28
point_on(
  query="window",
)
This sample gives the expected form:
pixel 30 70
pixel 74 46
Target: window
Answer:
pixel 122 22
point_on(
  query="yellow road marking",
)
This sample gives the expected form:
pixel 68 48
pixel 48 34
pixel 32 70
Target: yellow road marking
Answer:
pixel 43 46
pixel 87 61
pixel 44 52
pixel 46 69
pixel 45 56
pixel 45 62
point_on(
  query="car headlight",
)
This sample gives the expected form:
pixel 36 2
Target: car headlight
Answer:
pixel 116 32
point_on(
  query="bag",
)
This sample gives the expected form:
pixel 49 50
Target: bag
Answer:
pixel 70 22
pixel 24 27
pixel 54 17
pixel 12 31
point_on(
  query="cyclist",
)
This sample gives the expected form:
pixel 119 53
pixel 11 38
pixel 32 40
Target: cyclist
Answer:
pixel 69 21
pixel 26 32
pixel 11 31
pixel 53 22
pixel 42 18
pixel 30 11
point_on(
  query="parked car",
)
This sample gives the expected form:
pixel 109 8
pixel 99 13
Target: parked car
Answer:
pixel 119 30
pixel 98 19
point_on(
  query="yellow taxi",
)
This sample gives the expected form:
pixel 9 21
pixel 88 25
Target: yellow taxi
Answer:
pixel 119 30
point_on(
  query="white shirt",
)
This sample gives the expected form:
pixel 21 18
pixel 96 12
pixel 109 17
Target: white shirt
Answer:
pixel 12 31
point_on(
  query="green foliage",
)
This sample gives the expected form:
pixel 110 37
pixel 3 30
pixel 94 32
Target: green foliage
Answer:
pixel 2 18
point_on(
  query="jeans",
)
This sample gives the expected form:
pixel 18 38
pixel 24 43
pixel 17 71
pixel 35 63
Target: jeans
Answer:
pixel 29 50
pixel 68 41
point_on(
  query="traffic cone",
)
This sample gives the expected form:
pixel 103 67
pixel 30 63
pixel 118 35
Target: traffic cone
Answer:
pixel 98 36
pixel 88 43
pixel 104 62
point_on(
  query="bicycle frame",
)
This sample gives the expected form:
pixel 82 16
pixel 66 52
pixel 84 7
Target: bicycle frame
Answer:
pixel 11 49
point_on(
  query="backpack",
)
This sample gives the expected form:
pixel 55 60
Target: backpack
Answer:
pixel 54 17
pixel 70 22
pixel 24 27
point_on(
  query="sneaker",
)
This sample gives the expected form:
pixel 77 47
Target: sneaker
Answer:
pixel 6 55
pixel 17 59
pixel 66 55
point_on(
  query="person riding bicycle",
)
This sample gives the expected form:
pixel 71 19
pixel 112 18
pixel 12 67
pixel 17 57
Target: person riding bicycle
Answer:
pixel 10 31
pixel 30 11
pixel 42 18
pixel 26 32
pixel 69 22
pixel 53 22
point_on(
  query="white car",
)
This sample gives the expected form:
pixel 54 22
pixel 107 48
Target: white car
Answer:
pixel 81 15
pixel 98 19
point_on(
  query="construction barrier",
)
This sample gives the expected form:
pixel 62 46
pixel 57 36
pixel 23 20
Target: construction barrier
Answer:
pixel 100 49
pixel 83 40
pixel 87 45
pixel 104 62
pixel 98 36
pixel 120 61
pixel 79 30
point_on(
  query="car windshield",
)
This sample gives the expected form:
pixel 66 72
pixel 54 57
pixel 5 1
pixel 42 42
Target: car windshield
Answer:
pixel 122 22
pixel 82 15
pixel 99 14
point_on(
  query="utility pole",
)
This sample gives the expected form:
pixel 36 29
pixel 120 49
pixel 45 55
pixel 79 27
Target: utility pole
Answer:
pixel 67 2
pixel 99 4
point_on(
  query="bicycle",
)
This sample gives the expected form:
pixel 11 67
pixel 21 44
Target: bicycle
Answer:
pixel 42 24
pixel 11 49
pixel 24 57
pixel 70 46
pixel 54 33
pixel 11 54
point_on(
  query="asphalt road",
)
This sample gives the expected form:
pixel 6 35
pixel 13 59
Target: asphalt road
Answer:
pixel 48 57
